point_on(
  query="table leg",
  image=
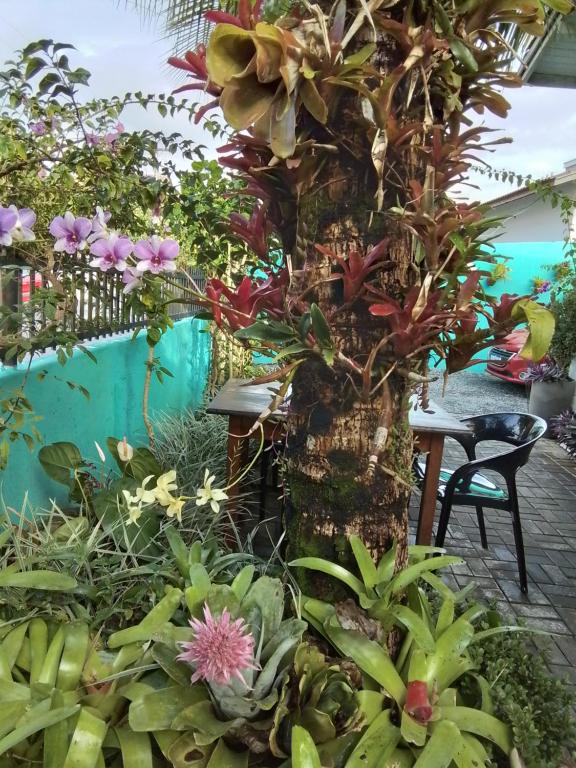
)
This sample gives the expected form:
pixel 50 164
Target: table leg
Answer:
pixel 430 489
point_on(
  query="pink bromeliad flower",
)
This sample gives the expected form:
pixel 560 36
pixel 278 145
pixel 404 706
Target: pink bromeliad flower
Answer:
pixel 221 648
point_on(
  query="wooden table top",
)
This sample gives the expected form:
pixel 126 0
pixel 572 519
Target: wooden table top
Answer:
pixel 237 398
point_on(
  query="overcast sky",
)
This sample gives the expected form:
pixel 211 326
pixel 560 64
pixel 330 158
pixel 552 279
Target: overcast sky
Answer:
pixel 125 54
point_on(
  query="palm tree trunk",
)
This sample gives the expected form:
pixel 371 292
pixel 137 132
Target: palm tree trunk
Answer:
pixel 348 455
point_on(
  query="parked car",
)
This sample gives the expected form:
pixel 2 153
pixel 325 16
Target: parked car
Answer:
pixel 25 286
pixel 504 360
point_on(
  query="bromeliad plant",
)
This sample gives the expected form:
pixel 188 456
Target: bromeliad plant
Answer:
pixel 241 650
pixel 424 713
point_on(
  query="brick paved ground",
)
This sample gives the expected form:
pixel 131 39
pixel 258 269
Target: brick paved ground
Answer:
pixel 547 490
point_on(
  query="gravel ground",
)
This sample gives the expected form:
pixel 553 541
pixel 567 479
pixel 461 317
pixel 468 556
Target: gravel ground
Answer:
pixel 470 393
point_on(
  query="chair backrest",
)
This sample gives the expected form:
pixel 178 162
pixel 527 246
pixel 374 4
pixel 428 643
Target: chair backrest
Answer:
pixel 521 430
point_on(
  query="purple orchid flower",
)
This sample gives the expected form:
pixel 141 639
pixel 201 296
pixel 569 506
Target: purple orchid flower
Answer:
pixel 544 287
pixel 132 279
pixel 156 255
pixel 39 128
pixel 70 232
pixel 99 225
pixel 24 224
pixel 8 221
pixel 16 224
pixel 92 139
pixel 111 252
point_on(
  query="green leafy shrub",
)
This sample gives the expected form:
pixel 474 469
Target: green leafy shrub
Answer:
pixel 564 342
pixel 538 707
pixel 191 442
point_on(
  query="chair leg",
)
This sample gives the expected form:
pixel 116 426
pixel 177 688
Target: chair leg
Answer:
pixel 519 540
pixel 482 527
pixel 443 522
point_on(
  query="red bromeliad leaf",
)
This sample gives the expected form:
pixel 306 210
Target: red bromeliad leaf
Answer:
pixel 221 17
pixel 417 702
pixel 245 301
pixel 357 267
pixel 195 64
pixel 254 231
pixel 468 288
pixel 385 308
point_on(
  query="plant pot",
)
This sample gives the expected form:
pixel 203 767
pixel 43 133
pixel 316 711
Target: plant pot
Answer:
pixel 549 399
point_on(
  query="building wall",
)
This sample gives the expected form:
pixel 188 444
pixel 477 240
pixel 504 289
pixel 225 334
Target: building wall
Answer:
pixel 115 384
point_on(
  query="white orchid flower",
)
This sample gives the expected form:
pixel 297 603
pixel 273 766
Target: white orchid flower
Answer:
pixel 174 509
pixel 208 495
pixel 164 487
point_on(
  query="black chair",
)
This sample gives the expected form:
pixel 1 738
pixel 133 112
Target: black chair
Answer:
pixel 466 486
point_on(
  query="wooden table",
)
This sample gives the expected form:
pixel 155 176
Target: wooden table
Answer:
pixel 244 403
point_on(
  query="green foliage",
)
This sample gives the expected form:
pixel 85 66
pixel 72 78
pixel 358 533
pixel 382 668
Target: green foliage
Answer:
pixel 563 306
pixel 191 442
pixel 538 707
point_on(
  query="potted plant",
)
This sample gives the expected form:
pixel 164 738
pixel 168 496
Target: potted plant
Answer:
pixel 551 390
pixel 563 305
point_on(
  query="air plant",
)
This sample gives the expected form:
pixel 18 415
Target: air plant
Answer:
pixel 546 372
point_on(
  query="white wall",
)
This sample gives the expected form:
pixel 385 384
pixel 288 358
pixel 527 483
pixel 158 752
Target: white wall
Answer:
pixel 531 219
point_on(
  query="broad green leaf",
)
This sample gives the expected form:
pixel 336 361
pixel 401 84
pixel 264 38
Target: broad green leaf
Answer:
pixel 481 724
pixel 304 752
pixel 445 616
pixel 418 665
pixel 413 572
pixel 37 719
pixel 242 581
pixel 416 626
pixel 12 644
pixel 156 711
pixel 179 549
pixel 372 659
pixel 224 757
pixel 59 460
pixel 370 703
pixel 86 741
pixel 201 718
pixel 330 569
pixel 56 739
pixel 48 580
pixel 412 731
pixel 195 595
pixel 76 644
pixel 156 618
pixel 320 327
pixel 386 565
pixel 485 693
pixel 463 54
pixel 267 330
pixel 450 645
pixel 377 743
pixel 135 747
pixel 364 561
pixel 541 324
pixel 283 128
pixel 441 746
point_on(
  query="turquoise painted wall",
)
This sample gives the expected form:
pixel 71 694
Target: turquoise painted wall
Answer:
pixel 526 261
pixel 115 384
